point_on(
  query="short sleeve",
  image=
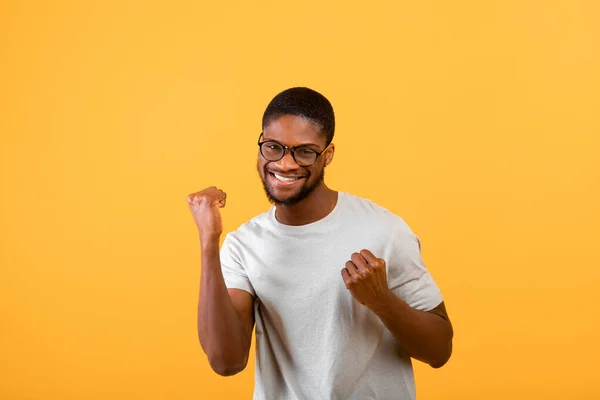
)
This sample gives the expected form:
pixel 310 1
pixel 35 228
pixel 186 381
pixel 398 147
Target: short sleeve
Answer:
pixel 408 277
pixel 233 272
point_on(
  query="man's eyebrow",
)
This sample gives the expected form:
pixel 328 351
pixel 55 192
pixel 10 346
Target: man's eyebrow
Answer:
pixel 300 145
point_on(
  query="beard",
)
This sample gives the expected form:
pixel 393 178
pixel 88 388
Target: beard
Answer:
pixel 297 197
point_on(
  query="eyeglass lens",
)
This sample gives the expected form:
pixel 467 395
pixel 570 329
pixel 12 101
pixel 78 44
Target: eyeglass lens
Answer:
pixel 273 151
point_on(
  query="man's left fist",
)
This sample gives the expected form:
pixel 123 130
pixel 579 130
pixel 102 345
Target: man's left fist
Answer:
pixel 366 278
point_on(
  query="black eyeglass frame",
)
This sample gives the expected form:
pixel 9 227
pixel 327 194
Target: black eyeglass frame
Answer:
pixel 292 149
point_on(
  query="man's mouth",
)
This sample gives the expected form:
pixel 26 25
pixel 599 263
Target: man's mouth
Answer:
pixel 285 179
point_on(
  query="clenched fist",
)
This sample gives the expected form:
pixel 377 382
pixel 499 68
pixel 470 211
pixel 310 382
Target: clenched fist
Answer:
pixel 365 277
pixel 204 206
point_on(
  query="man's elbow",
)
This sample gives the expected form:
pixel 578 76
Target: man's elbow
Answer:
pixel 439 363
pixel 226 370
pixel 443 357
pixel 226 367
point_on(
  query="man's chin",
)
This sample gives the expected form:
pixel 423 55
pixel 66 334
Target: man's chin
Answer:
pixel 289 199
pixel 295 197
pixel 284 199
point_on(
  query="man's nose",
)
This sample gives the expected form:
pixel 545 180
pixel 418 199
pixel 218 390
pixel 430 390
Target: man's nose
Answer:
pixel 287 162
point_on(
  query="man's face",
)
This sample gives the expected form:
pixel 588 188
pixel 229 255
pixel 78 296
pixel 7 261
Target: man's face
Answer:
pixel 290 130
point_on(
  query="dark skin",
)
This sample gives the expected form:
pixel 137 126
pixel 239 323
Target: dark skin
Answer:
pixel 226 316
pixel 295 131
pixel 425 336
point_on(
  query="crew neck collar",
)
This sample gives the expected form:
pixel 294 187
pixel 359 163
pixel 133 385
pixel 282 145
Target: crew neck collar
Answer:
pixel 325 223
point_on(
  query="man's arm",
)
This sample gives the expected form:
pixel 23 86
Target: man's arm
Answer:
pixel 425 336
pixel 225 317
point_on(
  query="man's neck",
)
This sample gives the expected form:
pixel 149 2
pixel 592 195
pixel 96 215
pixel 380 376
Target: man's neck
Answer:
pixel 313 208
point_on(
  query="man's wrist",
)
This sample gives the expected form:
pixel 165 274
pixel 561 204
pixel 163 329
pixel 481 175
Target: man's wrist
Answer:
pixel 391 306
pixel 384 303
pixel 210 240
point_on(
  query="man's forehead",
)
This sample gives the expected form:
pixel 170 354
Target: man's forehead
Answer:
pixel 293 131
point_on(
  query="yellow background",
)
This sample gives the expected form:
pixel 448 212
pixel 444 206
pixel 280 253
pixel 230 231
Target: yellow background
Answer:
pixel 476 121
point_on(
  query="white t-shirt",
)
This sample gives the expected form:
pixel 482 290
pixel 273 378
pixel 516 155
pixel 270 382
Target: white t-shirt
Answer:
pixel 313 340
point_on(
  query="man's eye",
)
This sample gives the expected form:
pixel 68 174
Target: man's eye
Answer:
pixel 305 151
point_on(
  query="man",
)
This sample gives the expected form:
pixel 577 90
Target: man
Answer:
pixel 335 283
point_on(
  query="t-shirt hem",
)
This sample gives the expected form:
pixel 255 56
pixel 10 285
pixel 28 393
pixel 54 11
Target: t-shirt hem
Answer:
pixel 433 302
pixel 239 283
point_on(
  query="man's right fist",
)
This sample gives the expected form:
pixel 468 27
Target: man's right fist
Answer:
pixel 204 206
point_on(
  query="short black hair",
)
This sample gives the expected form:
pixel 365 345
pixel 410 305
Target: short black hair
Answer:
pixel 306 103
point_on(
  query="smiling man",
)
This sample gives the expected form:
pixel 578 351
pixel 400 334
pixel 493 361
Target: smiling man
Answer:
pixel 334 283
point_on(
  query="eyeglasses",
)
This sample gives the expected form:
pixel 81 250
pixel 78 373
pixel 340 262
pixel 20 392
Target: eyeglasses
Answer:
pixel 303 155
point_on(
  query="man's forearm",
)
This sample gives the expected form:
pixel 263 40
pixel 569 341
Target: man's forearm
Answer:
pixel 423 335
pixel 219 326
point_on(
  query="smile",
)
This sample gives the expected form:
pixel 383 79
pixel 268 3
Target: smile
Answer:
pixel 285 180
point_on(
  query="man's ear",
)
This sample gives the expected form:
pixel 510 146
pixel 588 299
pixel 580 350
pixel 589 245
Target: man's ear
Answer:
pixel 329 154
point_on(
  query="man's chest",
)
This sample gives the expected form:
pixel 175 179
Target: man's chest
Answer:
pixel 303 303
pixel 302 277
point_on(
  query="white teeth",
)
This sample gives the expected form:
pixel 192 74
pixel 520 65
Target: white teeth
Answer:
pixel 284 179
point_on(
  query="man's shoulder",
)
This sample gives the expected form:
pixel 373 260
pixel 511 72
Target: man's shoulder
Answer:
pixel 359 205
pixel 256 226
